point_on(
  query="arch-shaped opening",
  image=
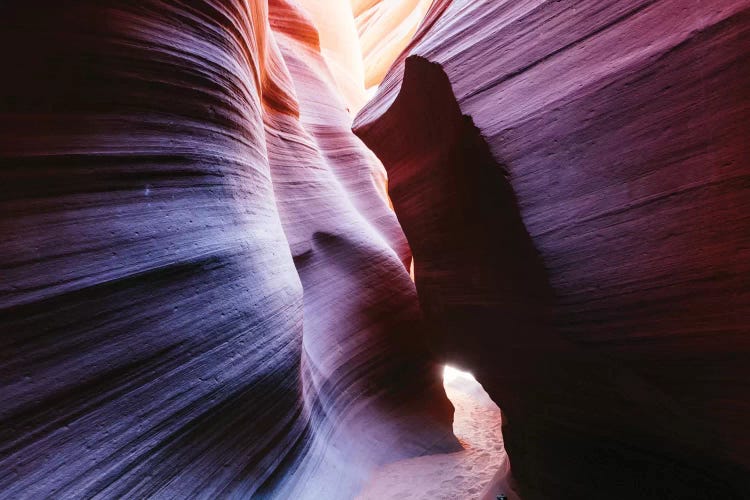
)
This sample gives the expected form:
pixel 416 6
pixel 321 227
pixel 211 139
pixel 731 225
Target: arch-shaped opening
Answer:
pixel 479 470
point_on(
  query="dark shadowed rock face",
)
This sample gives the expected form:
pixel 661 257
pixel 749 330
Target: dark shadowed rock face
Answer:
pixel 574 185
pixel 202 288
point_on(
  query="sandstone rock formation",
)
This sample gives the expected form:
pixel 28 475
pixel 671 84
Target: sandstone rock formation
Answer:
pixel 573 182
pixel 203 291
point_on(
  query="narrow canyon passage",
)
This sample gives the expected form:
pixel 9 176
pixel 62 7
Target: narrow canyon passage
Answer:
pixel 209 211
pixel 480 470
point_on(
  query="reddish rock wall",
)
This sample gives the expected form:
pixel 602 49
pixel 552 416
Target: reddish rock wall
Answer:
pixel 574 185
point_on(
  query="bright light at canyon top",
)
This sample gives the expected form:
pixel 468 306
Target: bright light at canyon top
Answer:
pixel 451 374
pixel 360 39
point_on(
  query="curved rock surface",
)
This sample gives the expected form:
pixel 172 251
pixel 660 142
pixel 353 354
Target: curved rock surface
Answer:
pixel 574 184
pixel 203 291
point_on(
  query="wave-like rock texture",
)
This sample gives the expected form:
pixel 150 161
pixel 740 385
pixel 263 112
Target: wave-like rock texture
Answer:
pixel 203 291
pixel 575 187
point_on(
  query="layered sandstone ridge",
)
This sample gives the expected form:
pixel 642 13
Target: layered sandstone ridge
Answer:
pixel 574 185
pixel 203 291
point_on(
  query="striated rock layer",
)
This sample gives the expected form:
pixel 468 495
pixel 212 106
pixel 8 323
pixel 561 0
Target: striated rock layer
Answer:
pixel 575 187
pixel 203 291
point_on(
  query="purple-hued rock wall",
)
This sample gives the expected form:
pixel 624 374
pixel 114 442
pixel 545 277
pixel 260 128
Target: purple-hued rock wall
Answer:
pixel 573 180
pixel 202 287
pixel 204 291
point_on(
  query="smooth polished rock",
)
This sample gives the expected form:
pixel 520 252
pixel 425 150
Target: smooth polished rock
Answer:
pixel 203 291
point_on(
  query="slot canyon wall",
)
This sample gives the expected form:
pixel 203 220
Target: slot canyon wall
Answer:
pixel 574 183
pixel 203 291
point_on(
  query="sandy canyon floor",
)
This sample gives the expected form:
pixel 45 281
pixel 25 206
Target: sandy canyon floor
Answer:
pixel 480 471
